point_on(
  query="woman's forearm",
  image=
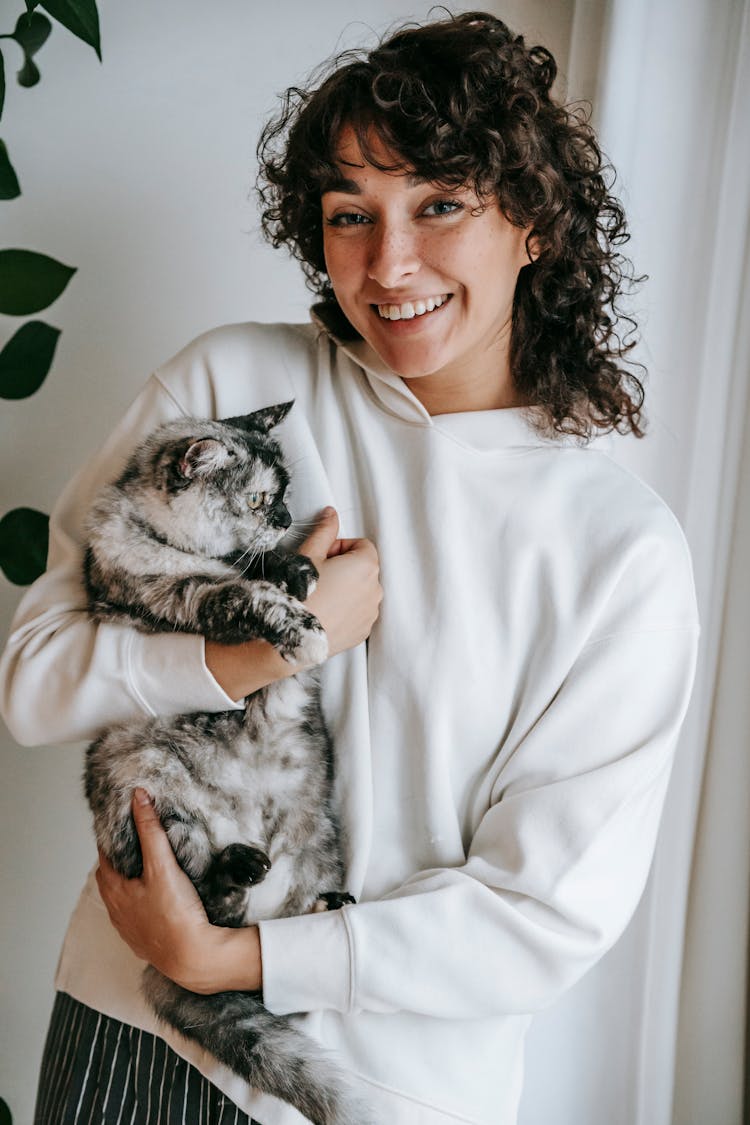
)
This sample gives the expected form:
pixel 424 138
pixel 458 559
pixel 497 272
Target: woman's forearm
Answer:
pixel 241 669
pixel 238 966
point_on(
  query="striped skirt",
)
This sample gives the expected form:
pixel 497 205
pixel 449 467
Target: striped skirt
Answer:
pixel 98 1071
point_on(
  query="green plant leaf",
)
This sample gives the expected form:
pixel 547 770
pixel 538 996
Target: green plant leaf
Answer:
pixel 29 281
pixel 31 32
pixel 9 185
pixel 2 83
pixel 26 359
pixel 24 538
pixel 80 17
pixel 5 1117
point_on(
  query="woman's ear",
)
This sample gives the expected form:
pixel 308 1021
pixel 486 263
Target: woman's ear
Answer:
pixel 532 247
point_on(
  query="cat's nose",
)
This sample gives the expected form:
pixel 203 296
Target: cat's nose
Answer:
pixel 281 516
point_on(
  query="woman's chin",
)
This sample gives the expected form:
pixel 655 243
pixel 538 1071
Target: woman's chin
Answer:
pixel 407 362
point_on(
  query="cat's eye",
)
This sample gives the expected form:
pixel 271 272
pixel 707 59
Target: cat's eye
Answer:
pixel 256 499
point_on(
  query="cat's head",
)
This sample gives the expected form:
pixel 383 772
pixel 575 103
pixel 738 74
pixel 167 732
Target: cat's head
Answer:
pixel 213 487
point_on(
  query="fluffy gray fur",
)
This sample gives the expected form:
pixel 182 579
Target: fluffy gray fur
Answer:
pixel 186 540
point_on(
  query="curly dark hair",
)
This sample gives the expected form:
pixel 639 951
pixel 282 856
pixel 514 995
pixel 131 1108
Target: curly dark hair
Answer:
pixel 464 101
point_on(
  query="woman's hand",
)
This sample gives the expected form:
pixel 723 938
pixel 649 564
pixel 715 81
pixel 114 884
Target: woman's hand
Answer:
pixel 347 597
pixel 346 601
pixel 162 919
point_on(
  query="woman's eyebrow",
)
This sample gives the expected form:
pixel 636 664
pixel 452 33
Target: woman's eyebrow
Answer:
pixel 341 183
pixel 351 187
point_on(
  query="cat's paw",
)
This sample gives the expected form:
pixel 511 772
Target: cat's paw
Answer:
pixel 305 641
pixel 300 576
pixel 333 900
pixel 240 865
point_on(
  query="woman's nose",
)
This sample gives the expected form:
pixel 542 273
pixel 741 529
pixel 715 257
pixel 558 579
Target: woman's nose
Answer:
pixel 394 256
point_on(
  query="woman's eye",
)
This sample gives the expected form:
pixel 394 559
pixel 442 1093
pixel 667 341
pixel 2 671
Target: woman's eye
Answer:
pixel 442 207
pixel 256 499
pixel 347 219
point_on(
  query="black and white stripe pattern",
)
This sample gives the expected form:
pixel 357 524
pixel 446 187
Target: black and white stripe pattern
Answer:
pixel 98 1071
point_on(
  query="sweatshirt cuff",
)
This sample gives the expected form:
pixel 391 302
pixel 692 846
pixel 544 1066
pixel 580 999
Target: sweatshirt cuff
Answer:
pixel 168 675
pixel 307 963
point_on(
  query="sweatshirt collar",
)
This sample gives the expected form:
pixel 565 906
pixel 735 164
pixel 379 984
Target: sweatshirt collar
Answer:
pixel 479 429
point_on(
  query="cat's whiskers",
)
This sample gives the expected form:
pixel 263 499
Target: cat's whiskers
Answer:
pixel 255 554
pixel 243 556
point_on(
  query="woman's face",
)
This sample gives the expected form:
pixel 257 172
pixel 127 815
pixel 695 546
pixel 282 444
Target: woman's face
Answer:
pixel 426 278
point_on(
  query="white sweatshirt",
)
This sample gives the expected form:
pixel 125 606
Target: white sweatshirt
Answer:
pixel 503 742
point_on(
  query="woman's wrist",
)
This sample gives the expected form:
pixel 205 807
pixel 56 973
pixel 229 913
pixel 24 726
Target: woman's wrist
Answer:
pixel 241 669
pixel 229 962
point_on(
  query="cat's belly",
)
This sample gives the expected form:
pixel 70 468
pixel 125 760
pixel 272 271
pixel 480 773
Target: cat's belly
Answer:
pixel 258 780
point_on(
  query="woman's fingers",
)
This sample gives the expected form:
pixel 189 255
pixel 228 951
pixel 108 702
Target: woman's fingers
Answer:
pixel 323 542
pixel 347 597
pixel 343 546
pixel 322 538
pixel 106 877
pixel 155 846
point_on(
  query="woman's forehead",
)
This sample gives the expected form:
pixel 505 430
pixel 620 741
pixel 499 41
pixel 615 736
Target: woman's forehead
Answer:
pixel 358 149
pixel 361 162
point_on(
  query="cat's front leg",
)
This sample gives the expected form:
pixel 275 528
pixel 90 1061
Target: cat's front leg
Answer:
pixel 296 574
pixel 261 610
pixel 234 610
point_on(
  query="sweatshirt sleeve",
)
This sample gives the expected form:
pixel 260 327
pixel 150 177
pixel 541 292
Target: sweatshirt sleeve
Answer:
pixel 553 873
pixel 63 678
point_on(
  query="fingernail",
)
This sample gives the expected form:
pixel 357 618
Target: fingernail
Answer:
pixel 142 797
pixel 328 510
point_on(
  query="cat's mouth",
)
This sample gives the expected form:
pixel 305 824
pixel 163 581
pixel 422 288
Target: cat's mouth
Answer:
pixel 408 310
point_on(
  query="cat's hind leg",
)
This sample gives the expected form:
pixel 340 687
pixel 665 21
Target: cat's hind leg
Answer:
pixel 133 756
pixel 229 875
pixel 333 900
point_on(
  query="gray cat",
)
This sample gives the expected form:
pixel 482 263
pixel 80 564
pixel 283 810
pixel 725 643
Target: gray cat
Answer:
pixel 185 540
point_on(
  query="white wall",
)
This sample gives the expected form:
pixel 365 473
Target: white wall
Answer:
pixel 138 172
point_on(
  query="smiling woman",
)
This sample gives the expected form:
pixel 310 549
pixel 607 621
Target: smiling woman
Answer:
pixel 427 275
pixel 459 115
pixel 503 742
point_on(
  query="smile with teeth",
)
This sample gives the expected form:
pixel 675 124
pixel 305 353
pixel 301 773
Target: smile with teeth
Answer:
pixel 411 309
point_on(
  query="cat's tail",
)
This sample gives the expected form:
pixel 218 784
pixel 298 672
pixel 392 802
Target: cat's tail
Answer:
pixel 264 1049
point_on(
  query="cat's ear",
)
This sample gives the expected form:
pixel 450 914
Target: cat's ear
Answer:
pixel 203 457
pixel 261 420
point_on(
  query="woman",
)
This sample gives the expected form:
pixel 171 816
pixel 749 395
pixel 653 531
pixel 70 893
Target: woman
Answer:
pixel 504 744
